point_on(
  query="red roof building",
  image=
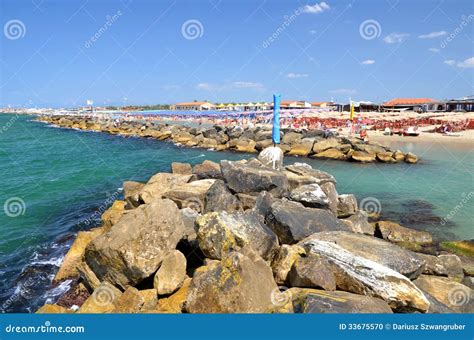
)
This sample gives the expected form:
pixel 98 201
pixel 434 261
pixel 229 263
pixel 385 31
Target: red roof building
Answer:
pixel 408 101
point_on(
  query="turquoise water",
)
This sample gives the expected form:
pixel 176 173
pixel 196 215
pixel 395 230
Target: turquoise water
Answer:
pixel 59 178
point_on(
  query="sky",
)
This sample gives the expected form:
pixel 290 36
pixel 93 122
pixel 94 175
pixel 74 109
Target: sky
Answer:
pixel 137 52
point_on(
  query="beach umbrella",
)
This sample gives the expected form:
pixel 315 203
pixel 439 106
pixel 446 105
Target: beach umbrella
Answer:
pixel 276 119
pixel 273 155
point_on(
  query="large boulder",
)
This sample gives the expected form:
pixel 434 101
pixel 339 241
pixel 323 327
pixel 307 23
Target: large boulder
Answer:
pixel 292 222
pixel 245 145
pixel 220 233
pixel 181 168
pixel 174 303
pixel 324 302
pixel 385 253
pixel 332 153
pixel 283 261
pixel 329 189
pixel 310 195
pixel 312 271
pixel 134 247
pixel 411 158
pixel 450 293
pixel 362 156
pixel 131 191
pixel 219 198
pixel 366 277
pixel 304 169
pixel 295 180
pixel 207 169
pixel 237 284
pixel 113 214
pixel 190 195
pixel 159 184
pixel 325 145
pixel 394 232
pixel 301 149
pixel 346 206
pixel 131 301
pixel 359 223
pixel 171 274
pixel 291 137
pixel 449 265
pixel 243 178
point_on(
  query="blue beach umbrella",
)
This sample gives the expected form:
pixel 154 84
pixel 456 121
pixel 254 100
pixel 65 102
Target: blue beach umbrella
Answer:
pixel 276 119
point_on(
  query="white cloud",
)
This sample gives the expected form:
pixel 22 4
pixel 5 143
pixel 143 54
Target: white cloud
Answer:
pixel 395 38
pixel 170 87
pixel 205 86
pixel 450 62
pixel 297 75
pixel 434 50
pixel 313 32
pixel 468 63
pixel 343 91
pixel 432 35
pixel 368 62
pixel 247 85
pixel 316 8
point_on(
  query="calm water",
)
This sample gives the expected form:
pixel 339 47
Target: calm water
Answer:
pixel 54 180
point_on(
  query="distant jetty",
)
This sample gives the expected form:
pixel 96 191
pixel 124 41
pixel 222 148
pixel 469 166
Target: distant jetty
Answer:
pixel 240 237
pixel 304 143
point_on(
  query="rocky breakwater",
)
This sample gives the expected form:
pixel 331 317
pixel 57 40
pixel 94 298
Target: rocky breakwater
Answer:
pixel 251 140
pixel 239 237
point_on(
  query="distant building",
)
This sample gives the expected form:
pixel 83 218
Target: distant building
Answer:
pixel 317 105
pixel 407 104
pixel 193 106
pixel 294 104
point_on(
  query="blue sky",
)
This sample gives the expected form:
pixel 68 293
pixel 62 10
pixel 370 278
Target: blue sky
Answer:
pixel 61 53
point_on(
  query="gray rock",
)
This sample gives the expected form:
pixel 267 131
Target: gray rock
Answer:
pixel 207 170
pixel 310 195
pixel 346 206
pixel 329 189
pixel 312 271
pixel 131 192
pixel 304 169
pixel 360 223
pixel 219 198
pixel 449 265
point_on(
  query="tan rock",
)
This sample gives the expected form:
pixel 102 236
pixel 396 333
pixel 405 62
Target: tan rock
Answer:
pixel 284 260
pixel 113 214
pixel 411 158
pixel 394 232
pixel 175 302
pixel 325 145
pixel 181 168
pixel 131 301
pixel 332 153
pixel 171 274
pixel 102 300
pixel 361 156
pixel 190 195
pixel 53 309
pixel 159 184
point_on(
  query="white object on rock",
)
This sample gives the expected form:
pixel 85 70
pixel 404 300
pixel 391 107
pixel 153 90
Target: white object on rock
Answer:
pixel 272 157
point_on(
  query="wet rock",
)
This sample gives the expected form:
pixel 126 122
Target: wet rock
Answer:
pixel 324 302
pixel 181 168
pixel 366 277
pixel 75 296
pixel 242 178
pixel 131 301
pixel 237 284
pixel 346 205
pixel 102 300
pixel 312 271
pixel 171 274
pixel 382 252
pixel 448 265
pixel 450 293
pixel 134 248
pixel 207 170
pixel 219 198
pixel 465 248
pixel 394 232
pixel 310 195
pixel 219 233
pixel 190 195
pixel 283 261
pixel 292 222
pixel 332 153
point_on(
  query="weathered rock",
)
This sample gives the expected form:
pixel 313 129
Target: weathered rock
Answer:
pixel 159 184
pixel 411 158
pixel 329 189
pixel 398 156
pixel 465 248
pixel 320 301
pixel 102 300
pixel 245 145
pixel 312 271
pixel 190 195
pixel 242 178
pixel 174 303
pixel 301 149
pixel 284 260
pixel 134 248
pixel 304 169
pixel 237 284
pixel 310 195
pixel 449 265
pixel 394 232
pixel 346 205
pixel 171 274
pixel 360 224
pixel 384 253
pixel 291 137
pixel 295 180
pixel 131 301
pixel 362 276
pixel 385 157
pixel 325 145
pixel 73 258
pixel 450 293
pixel 207 170
pixel 75 296
pixel 292 222
pixel 361 156
pixel 53 309
pixel 113 214
pixel 131 192
pixel 332 153
pixel 371 149
pixel 150 299
pixel 181 168
pixel 189 219
pixel 468 281
pixel 247 201
pixel 219 198
pixel 220 233
pixel 88 276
